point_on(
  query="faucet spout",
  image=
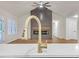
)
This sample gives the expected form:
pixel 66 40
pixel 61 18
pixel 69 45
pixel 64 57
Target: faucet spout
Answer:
pixel 40 43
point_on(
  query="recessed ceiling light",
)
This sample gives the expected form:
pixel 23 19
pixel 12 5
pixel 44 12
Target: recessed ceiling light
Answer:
pixel 75 16
pixel 77 47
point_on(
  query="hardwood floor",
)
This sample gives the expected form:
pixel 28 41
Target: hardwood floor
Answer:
pixel 35 41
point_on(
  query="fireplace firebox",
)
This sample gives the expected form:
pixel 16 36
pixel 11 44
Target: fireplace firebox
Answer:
pixel 35 32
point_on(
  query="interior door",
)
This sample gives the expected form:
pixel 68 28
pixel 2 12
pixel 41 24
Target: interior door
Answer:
pixel 55 28
pixel 71 28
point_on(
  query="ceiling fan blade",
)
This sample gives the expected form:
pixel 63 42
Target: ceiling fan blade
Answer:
pixel 35 3
pixel 48 5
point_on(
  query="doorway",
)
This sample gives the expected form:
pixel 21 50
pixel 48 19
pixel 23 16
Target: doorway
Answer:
pixel 71 28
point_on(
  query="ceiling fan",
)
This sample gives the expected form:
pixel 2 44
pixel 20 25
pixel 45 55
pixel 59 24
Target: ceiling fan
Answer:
pixel 42 4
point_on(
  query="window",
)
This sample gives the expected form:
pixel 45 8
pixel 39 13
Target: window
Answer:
pixel 11 27
pixel 1 29
pixel 0 25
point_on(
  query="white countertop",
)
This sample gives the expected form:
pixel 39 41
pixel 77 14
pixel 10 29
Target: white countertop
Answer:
pixel 30 50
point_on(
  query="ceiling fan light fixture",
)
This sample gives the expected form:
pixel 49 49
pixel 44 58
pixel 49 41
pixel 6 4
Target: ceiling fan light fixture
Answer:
pixel 41 6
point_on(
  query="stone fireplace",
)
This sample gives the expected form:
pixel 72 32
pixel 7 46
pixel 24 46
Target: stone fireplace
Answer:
pixel 45 16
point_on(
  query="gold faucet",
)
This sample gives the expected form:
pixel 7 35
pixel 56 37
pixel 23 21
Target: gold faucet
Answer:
pixel 40 43
pixel 41 46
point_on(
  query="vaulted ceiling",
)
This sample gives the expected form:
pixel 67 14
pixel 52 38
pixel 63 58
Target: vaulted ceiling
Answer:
pixel 20 8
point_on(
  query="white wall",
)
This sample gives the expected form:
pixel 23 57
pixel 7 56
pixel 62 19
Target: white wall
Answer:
pixel 78 28
pixel 21 24
pixel 61 29
pixel 7 38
